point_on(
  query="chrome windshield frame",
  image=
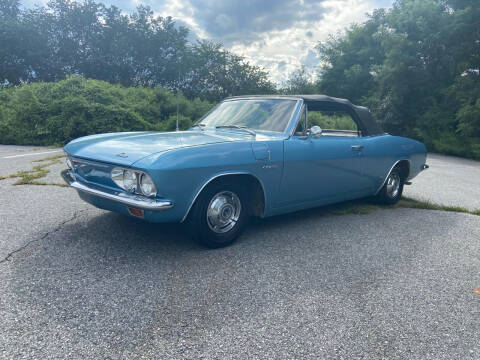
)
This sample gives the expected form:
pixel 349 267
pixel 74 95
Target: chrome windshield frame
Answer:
pixel 295 119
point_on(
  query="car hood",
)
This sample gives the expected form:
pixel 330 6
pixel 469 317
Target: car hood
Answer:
pixel 127 148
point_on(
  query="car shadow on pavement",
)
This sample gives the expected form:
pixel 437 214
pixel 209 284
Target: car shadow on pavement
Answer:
pixel 119 230
pixel 119 233
pixel 124 230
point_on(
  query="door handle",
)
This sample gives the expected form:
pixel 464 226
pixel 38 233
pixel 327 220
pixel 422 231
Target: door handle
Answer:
pixel 357 147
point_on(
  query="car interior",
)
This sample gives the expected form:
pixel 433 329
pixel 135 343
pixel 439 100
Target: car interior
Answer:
pixel 331 122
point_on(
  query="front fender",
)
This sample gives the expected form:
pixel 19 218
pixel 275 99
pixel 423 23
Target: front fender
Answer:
pixel 182 174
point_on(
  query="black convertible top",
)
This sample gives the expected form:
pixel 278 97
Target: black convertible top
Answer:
pixel 361 114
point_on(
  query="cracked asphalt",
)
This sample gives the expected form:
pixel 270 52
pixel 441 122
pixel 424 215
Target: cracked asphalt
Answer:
pixel 78 282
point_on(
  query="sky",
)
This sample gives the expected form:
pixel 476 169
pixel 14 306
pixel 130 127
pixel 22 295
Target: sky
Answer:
pixel 278 35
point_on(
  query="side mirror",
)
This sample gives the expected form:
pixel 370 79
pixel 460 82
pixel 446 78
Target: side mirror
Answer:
pixel 316 131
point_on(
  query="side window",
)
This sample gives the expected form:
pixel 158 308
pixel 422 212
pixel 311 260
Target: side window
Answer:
pixel 334 123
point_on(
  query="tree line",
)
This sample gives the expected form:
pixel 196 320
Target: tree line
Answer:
pixel 49 43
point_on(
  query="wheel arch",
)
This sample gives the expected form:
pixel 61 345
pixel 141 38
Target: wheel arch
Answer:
pixel 258 196
pixel 404 165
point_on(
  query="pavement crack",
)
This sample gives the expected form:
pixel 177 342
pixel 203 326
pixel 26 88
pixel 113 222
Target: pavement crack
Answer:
pixel 44 236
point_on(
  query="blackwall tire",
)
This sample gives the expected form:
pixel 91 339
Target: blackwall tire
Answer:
pixel 392 190
pixel 219 215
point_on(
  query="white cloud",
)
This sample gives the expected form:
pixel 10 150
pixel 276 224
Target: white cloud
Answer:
pixel 278 39
pixel 294 46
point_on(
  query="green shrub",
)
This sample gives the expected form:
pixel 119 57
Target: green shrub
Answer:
pixel 57 112
pixel 453 144
pixel 339 121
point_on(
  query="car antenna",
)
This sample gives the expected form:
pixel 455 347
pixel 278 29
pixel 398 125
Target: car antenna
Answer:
pixel 178 90
pixel 177 115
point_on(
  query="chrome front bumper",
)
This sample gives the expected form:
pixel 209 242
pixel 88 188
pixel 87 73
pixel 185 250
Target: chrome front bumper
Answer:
pixel 136 201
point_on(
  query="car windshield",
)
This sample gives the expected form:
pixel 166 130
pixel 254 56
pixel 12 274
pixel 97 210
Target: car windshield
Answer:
pixel 256 114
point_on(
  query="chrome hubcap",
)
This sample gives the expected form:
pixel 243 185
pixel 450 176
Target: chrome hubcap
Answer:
pixel 393 185
pixel 223 211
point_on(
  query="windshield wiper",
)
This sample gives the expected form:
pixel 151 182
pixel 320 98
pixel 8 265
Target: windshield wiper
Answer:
pixel 200 125
pixel 251 132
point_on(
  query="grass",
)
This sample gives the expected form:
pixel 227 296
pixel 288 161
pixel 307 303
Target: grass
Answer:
pixel 418 204
pixel 358 208
pixel 30 177
pixel 54 157
pixel 363 207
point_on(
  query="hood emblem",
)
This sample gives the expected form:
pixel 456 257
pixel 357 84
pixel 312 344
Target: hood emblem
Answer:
pixel 122 154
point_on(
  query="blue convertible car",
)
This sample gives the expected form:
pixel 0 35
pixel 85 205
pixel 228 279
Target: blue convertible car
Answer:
pixel 252 155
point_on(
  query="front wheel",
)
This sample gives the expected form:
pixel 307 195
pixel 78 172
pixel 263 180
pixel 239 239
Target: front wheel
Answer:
pixel 391 192
pixel 219 215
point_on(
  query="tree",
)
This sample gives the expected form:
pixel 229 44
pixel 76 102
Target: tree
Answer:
pixel 22 45
pixel 215 73
pixel 350 62
pixel 299 82
pixel 9 8
pixel 417 67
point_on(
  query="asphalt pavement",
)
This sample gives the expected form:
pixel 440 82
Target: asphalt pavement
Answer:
pixel 78 282
pixel 450 181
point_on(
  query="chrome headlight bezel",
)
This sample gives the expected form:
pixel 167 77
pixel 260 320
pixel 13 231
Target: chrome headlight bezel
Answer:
pixel 116 174
pixel 130 180
pixel 147 186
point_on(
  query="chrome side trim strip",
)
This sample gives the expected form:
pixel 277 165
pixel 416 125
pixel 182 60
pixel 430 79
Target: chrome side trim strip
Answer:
pixel 136 201
pixel 388 174
pixel 220 175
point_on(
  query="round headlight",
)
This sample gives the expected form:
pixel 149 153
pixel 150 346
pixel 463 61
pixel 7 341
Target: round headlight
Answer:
pixel 117 176
pixel 147 186
pixel 129 180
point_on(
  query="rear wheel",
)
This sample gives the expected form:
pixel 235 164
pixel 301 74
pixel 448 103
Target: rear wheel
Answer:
pixel 392 190
pixel 219 215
